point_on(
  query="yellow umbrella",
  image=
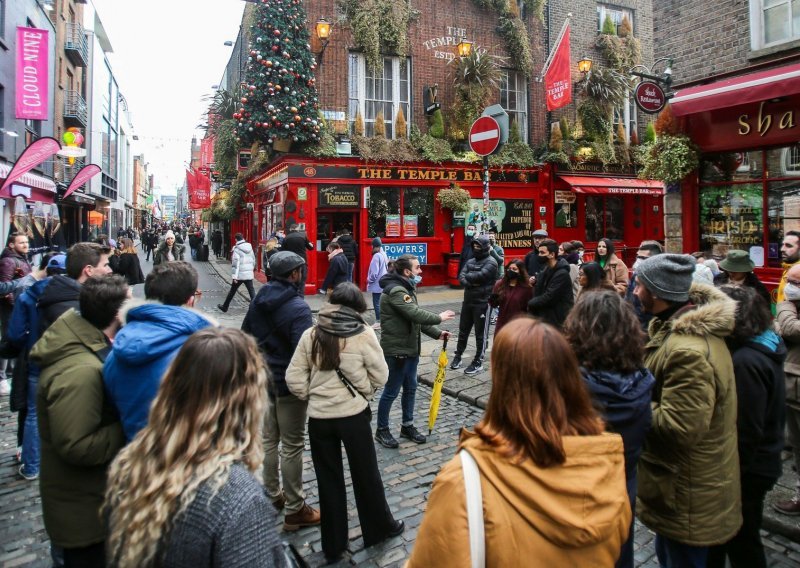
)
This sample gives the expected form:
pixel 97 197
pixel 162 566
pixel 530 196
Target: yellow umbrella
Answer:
pixel 436 397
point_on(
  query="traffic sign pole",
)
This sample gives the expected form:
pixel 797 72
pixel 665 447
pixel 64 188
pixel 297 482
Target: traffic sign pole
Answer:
pixel 485 226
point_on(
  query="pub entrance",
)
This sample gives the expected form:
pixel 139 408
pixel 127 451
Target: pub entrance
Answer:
pixel 329 226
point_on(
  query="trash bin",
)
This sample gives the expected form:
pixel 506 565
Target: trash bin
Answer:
pixel 453 260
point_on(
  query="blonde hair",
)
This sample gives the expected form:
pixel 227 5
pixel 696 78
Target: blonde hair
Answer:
pixel 271 244
pixel 207 415
pixel 127 246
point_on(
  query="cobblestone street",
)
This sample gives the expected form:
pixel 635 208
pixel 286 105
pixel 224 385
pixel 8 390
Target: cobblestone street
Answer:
pixel 407 472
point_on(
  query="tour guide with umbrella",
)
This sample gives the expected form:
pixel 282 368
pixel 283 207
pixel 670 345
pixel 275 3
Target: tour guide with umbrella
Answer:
pixel 436 397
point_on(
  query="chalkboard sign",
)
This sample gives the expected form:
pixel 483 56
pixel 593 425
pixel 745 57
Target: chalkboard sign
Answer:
pixel 340 196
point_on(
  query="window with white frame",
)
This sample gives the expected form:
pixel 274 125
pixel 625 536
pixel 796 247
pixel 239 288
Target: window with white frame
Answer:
pixel 514 100
pixel 386 90
pixel 790 160
pixel 773 22
pixel 625 115
pixel 616 13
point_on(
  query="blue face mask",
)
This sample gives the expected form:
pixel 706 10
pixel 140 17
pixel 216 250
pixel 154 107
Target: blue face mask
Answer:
pixel 470 233
pixel 416 279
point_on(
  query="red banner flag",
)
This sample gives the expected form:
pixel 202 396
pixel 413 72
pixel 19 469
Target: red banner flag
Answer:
pixel 86 173
pixel 558 78
pixel 37 152
pixel 199 189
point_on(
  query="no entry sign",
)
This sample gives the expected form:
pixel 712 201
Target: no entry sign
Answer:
pixel 484 136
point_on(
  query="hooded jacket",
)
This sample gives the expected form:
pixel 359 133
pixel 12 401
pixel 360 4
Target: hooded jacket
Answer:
pixel 79 430
pixel 337 273
pixel 761 394
pixel 624 402
pixel 553 297
pixel 789 330
pixel 349 247
pixel 361 361
pixel 377 269
pixel 479 274
pixel 60 294
pixel 277 318
pixel 573 514
pixel 143 349
pixel 243 261
pixel 402 319
pixel 689 487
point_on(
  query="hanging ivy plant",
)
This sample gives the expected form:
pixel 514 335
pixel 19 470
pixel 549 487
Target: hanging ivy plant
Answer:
pixel 379 26
pixel 670 158
pixel 513 30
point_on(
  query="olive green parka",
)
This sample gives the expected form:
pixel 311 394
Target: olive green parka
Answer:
pixel 689 488
pixel 402 319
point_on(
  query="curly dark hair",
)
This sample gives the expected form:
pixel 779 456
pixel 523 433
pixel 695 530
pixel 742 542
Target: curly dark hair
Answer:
pixel 753 315
pixel 605 333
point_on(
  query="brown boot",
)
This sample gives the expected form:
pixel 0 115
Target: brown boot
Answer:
pixel 279 502
pixel 305 517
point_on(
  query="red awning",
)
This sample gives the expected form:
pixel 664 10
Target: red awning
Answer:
pixel 741 90
pixel 614 186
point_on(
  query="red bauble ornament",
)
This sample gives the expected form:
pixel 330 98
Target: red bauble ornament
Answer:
pixel 244 100
pixel 277 32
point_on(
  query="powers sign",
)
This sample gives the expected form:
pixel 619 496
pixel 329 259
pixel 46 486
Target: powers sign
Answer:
pixel 396 250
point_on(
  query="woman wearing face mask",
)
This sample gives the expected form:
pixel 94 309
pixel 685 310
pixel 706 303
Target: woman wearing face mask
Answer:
pixel 615 269
pixel 511 293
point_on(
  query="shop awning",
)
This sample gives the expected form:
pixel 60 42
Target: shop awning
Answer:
pixel 735 91
pixel 614 186
pixel 29 179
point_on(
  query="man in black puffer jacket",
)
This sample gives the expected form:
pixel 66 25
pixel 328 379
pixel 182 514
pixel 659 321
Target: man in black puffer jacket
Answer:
pixel 552 298
pixel 478 277
pixel 350 250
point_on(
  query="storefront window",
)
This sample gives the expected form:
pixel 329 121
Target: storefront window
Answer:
pixel 732 166
pixel 604 218
pixel 731 217
pixel 401 212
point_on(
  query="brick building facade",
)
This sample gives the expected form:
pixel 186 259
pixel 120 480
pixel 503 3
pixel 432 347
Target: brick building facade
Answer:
pixel 737 95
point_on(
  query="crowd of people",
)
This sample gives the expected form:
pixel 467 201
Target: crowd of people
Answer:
pixel 656 391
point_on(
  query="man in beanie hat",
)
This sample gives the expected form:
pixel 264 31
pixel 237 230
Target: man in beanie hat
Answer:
pixel 378 267
pixel 689 490
pixel 277 319
pixel 533 264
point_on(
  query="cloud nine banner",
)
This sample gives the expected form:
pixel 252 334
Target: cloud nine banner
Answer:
pixel 33 84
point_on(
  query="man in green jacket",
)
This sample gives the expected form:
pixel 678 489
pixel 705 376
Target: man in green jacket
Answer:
pixel 688 490
pixel 402 320
pixel 79 429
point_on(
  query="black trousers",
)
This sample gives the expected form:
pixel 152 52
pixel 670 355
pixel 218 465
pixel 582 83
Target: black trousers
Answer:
pixel 326 437
pixel 745 550
pixel 235 286
pixel 472 316
pixel 92 556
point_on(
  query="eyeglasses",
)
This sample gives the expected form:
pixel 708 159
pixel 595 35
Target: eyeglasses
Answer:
pixel 793 282
pixel 198 293
pixel 641 257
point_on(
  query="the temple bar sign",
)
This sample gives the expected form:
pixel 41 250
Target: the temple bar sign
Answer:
pixel 346 196
pixel 406 173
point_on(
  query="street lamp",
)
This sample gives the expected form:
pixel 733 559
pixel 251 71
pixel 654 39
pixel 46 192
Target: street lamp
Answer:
pixel 464 47
pixel 585 65
pixel 323 29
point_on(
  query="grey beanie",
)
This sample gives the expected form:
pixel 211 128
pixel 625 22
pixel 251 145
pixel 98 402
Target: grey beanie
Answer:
pixel 667 276
pixel 283 262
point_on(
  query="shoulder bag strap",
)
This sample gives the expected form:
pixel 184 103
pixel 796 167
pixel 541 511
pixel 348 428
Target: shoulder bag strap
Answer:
pixel 472 484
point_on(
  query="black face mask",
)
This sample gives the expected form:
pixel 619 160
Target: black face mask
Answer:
pixel 513 275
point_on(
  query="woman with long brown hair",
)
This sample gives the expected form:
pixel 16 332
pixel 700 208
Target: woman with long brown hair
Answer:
pixel 552 483
pixel 609 342
pixel 128 265
pixel 184 493
pixel 616 270
pixel 511 294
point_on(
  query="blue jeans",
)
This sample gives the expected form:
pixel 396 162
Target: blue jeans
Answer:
pixel 376 304
pixel 30 438
pixel 402 374
pixel 673 554
pixel 350 267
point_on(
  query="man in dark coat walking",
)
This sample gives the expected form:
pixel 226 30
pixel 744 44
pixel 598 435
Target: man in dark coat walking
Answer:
pixel 297 242
pixel 350 250
pixel 553 298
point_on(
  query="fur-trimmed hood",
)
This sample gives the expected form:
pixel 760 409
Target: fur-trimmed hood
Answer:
pixel 712 313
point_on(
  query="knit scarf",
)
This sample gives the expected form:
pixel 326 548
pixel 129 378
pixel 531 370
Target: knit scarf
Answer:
pixel 333 253
pixel 340 320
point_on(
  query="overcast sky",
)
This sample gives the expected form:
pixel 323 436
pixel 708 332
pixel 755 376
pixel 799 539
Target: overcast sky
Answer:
pixel 167 55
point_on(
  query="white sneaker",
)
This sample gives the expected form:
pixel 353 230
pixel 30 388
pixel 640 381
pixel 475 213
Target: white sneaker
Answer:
pixel 5 388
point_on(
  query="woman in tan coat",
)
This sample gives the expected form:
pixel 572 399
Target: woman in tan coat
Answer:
pixel 616 270
pixel 337 367
pixel 552 483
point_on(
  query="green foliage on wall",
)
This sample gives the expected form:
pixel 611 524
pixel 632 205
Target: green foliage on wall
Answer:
pixel 379 26
pixel 513 29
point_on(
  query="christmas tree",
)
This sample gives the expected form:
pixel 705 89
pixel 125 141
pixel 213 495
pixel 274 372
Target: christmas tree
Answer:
pixel 279 99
